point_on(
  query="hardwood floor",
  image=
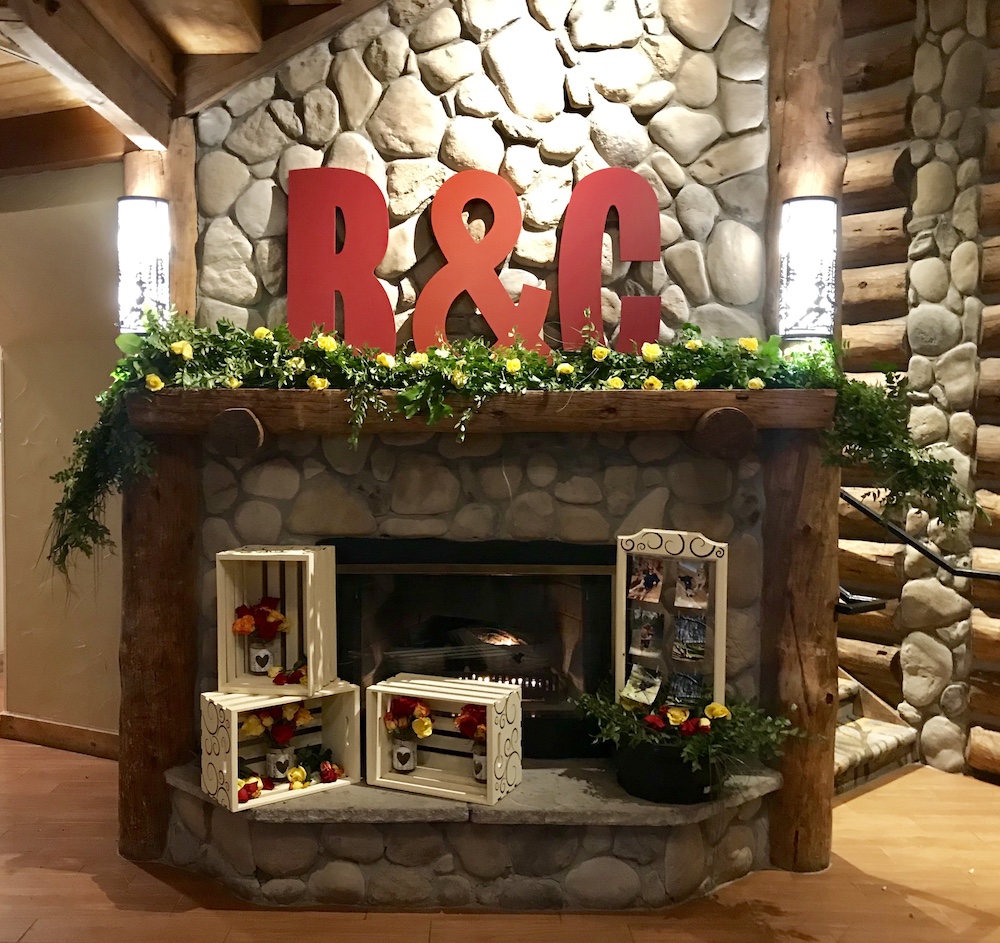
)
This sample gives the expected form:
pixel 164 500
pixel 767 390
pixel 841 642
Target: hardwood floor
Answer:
pixel 915 860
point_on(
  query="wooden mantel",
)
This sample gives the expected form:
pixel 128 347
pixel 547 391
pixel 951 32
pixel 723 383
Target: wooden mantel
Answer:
pixel 160 552
pixel 305 412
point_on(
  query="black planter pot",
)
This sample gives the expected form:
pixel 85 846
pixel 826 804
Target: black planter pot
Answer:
pixel 658 773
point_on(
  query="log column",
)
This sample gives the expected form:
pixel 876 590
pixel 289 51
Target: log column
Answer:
pixel 800 528
pixel 158 641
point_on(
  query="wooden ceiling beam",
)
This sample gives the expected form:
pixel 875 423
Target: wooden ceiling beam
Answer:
pixel 58 140
pixel 70 43
pixel 198 27
pixel 203 80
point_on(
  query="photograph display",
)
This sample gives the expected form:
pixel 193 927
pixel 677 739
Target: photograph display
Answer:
pixel 642 686
pixel 690 633
pixel 691 591
pixel 646 632
pixel 645 579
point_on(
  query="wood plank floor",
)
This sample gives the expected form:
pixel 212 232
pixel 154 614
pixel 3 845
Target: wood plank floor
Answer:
pixel 916 860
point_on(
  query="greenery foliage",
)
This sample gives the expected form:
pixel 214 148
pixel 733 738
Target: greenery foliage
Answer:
pixel 870 424
pixel 748 733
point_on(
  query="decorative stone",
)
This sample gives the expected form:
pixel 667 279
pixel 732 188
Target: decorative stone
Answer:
pixel 697 211
pixel 297 157
pixel 453 890
pixel 474 522
pixel 965 215
pixel 697 81
pixel 283 850
pixel 945 13
pixel 324 506
pixel 409 121
pixel 306 69
pixel 444 67
pixel 942 743
pixel 521 165
pixel 522 894
pixel 652 97
pixel 927 604
pixel 353 842
pixel 670 232
pixel 414 845
pixel 742 54
pixel 930 278
pixel 928 69
pixel 743 106
pixel 638 844
pixel 699 23
pixel 535 93
pixel 531 516
pixel 686 264
pixel 258 138
pixel 231 838
pixel 353 151
pixel 972 319
pixel 413 527
pixel 225 269
pixel 752 12
pixel 283 890
pixel 484 18
pixel 392 886
pixel 926 117
pixel 956 371
pixel 387 54
pixel 358 89
pixel 249 96
pixel 685 134
pixel 582 525
pixel 733 856
pixel 321 116
pixel 536 249
pixel 932 329
pixel 927 424
pixel 284 113
pixel 684 862
pixel 213 125
pixel 441 27
pixel 257 522
pixel 405 13
pixel 338 882
pixel 542 469
pixel 262 210
pixel 735 263
pixel 618 74
pixel 550 13
pixel 401 252
pixel 578 89
pixel 221 178
pixel 965 267
pixel 604 26
pixel 479 97
pixel 411 184
pixel 963 80
pixel 277 479
pixel 481 850
pixel 935 189
pixel 700 480
pixel 744 197
pixel 424 486
pixel 738 155
pixel 472 144
pixel 211 312
pixel 564 137
pixel 602 884
pixel 616 135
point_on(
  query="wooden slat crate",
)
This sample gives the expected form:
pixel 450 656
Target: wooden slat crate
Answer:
pixel 304 580
pixel 336 726
pixel 444 759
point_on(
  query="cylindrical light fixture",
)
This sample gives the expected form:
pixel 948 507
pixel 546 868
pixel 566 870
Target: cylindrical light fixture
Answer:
pixel 807 286
pixel 143 259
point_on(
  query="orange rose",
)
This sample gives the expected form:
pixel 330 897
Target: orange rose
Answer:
pixel 244 625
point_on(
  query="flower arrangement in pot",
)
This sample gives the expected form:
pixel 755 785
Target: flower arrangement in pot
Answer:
pixel 300 767
pixel 262 624
pixel 683 753
pixel 407 720
pixel 471 723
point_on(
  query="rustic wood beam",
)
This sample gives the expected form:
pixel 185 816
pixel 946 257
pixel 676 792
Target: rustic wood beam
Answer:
pixel 288 412
pixel 987 524
pixel 878 238
pixel 877 117
pixel 206 79
pixel 984 693
pixel 179 168
pixel 70 43
pixel 158 641
pixel 863 16
pixel 878 626
pixel 875 665
pixel 797 609
pixel 209 27
pixel 878 58
pixel 984 750
pixel 874 293
pixel 123 20
pixel 856 526
pixel 58 140
pixel 871 565
pixel 987 407
pixel 988 452
pixel 877 342
pixel 985 637
pixel 990 280
pixel 869 183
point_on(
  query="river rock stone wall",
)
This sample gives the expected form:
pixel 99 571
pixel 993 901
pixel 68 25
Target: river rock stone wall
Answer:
pixel 575 488
pixel 943 327
pixel 542 92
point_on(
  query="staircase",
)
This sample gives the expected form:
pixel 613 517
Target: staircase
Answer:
pixel 871 738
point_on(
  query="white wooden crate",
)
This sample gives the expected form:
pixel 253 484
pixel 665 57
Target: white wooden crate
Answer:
pixel 304 580
pixel 444 759
pixel 337 726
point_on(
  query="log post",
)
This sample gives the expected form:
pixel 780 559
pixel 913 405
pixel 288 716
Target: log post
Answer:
pixel 797 606
pixel 158 641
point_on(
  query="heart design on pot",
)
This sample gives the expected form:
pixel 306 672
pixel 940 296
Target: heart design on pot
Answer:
pixel 262 660
pixel 281 766
pixel 402 758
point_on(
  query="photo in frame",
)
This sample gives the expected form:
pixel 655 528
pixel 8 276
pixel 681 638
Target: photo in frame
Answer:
pixel 646 633
pixel 690 637
pixel 691 588
pixel 684 687
pixel 646 579
pixel 643 685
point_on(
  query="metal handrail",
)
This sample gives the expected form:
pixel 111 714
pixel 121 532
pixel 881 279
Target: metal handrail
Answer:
pixel 902 535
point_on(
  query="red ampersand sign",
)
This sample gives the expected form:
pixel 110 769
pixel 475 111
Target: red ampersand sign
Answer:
pixel 580 256
pixel 317 271
pixel 471 265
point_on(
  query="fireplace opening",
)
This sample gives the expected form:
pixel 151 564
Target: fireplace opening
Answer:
pixel 534 613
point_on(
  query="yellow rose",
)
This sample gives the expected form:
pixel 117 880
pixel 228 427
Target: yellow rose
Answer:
pixel 423 727
pixel 600 353
pixel 696 343
pixel 651 352
pixel 513 365
pixel 386 360
pixel 704 724
pixel 458 379
pixel 317 383
pixel 615 383
pixel 296 365
pixel 252 727
pixel 302 717
pixel 274 670
pixel 677 715
pixel 232 383
pixel 749 344
pixel 153 382
pixel 183 348
pixel 756 383
pixel 565 369
pixel 288 711
pixel 297 774
pixel 263 334
pixel 297 784
pixel 327 343
pixel 652 383
pixel 417 360
pixel 716 710
pixel 685 384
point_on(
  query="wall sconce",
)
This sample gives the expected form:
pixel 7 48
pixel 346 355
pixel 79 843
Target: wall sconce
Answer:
pixel 807 282
pixel 143 259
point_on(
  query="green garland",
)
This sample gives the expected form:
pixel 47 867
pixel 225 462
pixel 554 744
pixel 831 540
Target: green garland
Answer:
pixel 870 425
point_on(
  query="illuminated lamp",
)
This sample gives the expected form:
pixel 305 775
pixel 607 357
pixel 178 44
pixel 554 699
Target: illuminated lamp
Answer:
pixel 143 259
pixel 807 285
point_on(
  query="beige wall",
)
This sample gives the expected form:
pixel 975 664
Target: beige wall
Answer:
pixel 57 330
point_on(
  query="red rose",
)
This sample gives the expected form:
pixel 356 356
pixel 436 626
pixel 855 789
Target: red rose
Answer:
pixel 282 733
pixel 690 727
pixel 402 706
pixel 654 721
pixel 275 713
pixel 243 795
pixel 478 711
pixel 280 678
pixel 243 611
pixel 269 602
pixel 467 725
pixel 663 710
pixel 328 773
pixel 296 676
pixel 266 783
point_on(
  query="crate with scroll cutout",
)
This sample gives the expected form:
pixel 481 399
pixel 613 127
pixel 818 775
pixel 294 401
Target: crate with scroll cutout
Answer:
pixel 303 581
pixel 444 759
